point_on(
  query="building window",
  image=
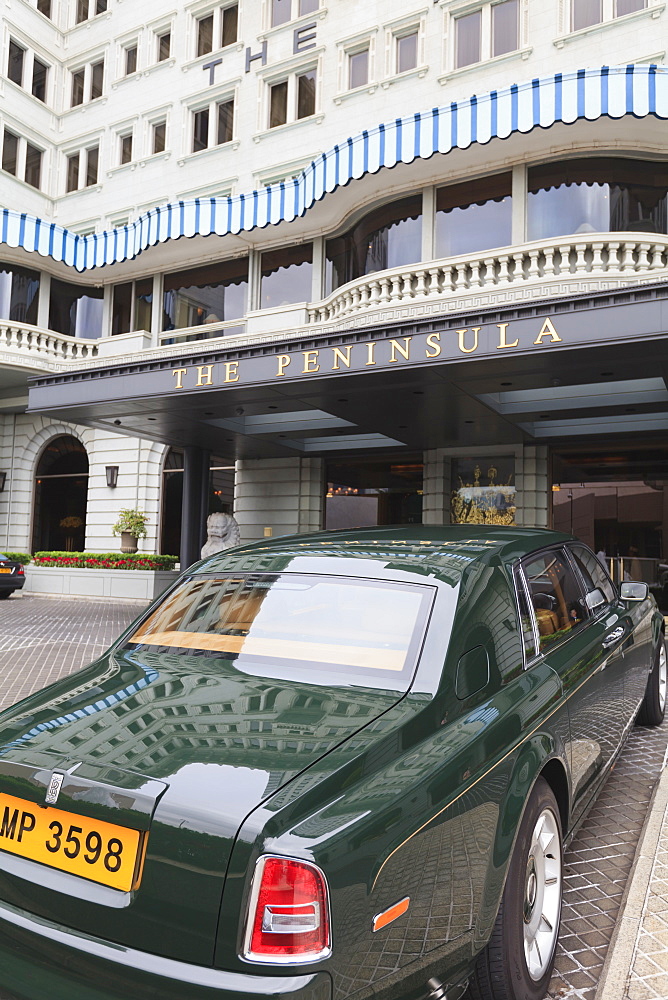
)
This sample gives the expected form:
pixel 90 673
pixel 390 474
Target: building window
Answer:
pixel 283 11
pixel 132 306
pixel 505 27
pixel 82 168
pixel 292 99
pixel 468 39
pixel 203 295
pixel 159 136
pixel 597 195
pixel 72 183
pixel 27 166
pixel 33 172
pixel 278 104
pixel 44 7
pixel 78 78
pixel 10 152
pixel 230 26
pixel 87 80
pixel 76 310
pixel 92 159
pixel 225 129
pixel 39 76
pixel 213 125
pixel 89 8
pixel 473 216
pixel 358 68
pixel 389 236
pixel 164 46
pixel 584 13
pixel 286 276
pixel 126 148
pixel 205 35
pixel 19 293
pixel 629 6
pixel 306 94
pixel 96 80
pixel 218 29
pixel 130 59
pixel 407 51
pixel 15 62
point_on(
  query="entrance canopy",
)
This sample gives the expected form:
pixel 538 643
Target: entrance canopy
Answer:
pixel 573 369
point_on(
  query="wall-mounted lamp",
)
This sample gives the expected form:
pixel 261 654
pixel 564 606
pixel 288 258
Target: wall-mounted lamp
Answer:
pixel 3 480
pixel 112 476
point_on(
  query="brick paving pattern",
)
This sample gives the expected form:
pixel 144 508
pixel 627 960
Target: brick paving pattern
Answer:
pixel 44 639
pixel 648 978
pixel 598 862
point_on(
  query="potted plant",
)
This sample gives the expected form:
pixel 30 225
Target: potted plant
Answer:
pixel 131 525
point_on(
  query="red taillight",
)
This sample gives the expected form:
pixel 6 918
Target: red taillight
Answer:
pixel 288 915
pixel 20 571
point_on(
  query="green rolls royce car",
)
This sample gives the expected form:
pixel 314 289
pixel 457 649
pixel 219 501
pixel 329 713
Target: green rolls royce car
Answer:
pixel 324 766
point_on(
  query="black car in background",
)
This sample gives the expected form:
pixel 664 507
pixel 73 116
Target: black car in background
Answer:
pixel 12 577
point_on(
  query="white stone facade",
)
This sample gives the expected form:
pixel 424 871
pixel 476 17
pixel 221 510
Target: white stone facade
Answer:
pixel 280 495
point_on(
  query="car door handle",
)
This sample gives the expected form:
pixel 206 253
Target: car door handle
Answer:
pixel 612 637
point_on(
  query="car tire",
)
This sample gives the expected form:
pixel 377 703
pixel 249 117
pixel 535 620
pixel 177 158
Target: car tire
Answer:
pixel 653 705
pixel 517 962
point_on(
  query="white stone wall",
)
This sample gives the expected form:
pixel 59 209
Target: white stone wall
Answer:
pixel 22 440
pixel 284 495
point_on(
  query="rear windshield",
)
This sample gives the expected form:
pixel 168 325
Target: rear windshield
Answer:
pixel 326 629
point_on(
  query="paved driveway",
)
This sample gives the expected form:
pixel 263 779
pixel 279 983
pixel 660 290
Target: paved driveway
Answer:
pixel 43 639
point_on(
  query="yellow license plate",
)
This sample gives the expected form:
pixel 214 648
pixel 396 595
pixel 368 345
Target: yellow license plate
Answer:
pixel 99 851
pixel 3 569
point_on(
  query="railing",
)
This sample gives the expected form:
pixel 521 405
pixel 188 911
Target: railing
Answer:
pixel 32 345
pixel 621 258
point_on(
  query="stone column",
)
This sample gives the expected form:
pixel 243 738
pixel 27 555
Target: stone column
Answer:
pixel 531 477
pixel 436 487
pixel 278 496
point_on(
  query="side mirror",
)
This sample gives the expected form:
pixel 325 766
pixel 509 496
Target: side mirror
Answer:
pixel 594 599
pixel 631 591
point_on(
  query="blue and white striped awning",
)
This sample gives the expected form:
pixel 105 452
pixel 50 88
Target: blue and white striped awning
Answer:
pixel 589 94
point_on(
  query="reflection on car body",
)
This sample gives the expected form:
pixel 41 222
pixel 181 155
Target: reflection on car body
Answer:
pixel 322 766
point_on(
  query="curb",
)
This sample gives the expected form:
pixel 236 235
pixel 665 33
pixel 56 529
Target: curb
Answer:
pixel 621 951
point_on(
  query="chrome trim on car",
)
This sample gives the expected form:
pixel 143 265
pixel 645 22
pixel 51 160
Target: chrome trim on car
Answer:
pixel 247 955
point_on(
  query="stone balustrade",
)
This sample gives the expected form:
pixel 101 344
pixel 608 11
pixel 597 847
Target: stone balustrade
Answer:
pixel 35 348
pixel 597 260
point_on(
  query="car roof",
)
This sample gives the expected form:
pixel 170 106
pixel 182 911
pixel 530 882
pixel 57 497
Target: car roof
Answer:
pixel 403 548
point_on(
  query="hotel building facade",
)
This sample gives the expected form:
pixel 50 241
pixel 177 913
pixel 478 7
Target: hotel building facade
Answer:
pixel 332 264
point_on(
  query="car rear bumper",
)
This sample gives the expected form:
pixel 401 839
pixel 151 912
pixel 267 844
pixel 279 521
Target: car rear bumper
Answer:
pixel 41 959
pixel 12 582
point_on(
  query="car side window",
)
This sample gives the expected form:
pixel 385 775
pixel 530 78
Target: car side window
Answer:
pixel 594 573
pixel 556 596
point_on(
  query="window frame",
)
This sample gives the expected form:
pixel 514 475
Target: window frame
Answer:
pixel 605 607
pixel 212 109
pixel 130 56
pixel 485 8
pixel 13 44
pixel 217 15
pixel 559 549
pixel 124 149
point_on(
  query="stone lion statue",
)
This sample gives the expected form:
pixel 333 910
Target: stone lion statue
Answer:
pixel 222 533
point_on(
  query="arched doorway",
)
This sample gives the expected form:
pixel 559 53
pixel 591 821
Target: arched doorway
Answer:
pixel 221 496
pixel 61 496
